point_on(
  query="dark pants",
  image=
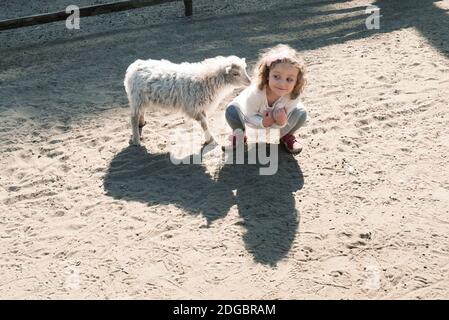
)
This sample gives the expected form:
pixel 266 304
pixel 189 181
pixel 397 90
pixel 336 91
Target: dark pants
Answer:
pixel 296 119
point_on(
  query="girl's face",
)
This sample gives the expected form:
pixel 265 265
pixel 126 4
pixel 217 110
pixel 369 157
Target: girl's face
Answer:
pixel 282 79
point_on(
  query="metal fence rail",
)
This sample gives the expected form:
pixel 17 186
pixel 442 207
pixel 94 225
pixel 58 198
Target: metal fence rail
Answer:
pixel 86 12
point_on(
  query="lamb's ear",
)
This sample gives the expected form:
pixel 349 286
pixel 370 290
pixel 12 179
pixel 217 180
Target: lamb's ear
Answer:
pixel 244 60
pixel 228 69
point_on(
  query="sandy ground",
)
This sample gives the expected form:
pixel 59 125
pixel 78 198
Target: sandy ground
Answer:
pixel 363 212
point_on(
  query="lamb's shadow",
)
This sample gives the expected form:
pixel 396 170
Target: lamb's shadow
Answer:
pixel 134 174
pixel 265 202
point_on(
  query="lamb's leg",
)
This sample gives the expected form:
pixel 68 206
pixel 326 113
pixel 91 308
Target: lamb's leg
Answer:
pixel 142 123
pixel 137 111
pixel 135 139
pixel 137 104
pixel 203 121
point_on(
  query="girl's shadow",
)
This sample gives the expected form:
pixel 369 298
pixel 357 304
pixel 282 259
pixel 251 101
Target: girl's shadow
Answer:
pixel 265 202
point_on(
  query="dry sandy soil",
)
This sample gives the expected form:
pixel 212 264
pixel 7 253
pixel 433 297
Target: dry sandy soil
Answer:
pixel 362 212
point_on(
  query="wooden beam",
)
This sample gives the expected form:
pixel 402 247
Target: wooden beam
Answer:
pixel 86 12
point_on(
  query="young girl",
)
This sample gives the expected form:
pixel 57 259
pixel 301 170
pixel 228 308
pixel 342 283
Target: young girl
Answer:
pixel 273 101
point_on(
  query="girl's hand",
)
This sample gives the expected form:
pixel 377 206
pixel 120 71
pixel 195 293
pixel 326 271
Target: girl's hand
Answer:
pixel 280 116
pixel 267 119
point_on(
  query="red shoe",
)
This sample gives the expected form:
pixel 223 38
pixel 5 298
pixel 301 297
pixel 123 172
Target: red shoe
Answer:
pixel 291 144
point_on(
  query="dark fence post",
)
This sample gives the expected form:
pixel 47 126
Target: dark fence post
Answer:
pixel 188 7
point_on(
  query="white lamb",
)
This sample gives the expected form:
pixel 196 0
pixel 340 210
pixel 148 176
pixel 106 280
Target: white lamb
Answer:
pixel 193 88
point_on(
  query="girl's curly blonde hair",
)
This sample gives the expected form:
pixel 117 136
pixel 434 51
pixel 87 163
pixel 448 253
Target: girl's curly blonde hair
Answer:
pixel 281 53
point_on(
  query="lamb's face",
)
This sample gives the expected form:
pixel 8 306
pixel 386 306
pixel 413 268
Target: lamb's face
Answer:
pixel 236 73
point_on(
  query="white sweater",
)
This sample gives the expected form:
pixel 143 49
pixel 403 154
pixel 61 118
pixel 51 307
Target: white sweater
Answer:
pixel 253 102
